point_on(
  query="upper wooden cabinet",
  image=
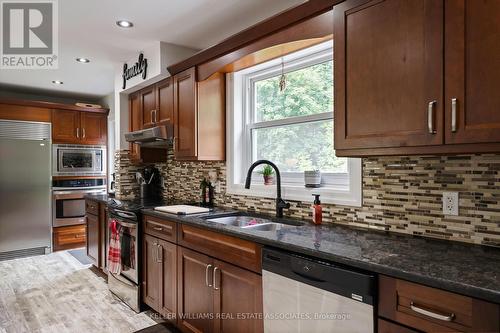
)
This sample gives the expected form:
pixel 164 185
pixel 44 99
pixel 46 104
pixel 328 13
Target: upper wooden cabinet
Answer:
pixel 199 117
pixel 154 104
pixel 148 106
pixel 79 127
pixel 472 71
pixel 164 102
pixel 389 77
pixel 388 73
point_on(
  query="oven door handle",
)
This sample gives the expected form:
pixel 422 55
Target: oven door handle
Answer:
pixel 124 214
pixel 126 224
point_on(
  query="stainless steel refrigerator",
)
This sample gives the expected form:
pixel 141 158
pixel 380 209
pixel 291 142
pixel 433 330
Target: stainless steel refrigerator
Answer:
pixel 25 185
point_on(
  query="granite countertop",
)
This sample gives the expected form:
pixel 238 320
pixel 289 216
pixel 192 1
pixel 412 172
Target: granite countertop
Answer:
pixel 98 197
pixel 471 270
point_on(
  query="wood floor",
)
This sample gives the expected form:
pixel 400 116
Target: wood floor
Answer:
pixel 56 293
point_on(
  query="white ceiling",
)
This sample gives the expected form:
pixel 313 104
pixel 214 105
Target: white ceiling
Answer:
pixel 87 29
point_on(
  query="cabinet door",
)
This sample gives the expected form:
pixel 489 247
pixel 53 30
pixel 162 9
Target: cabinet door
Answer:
pixel 237 291
pixel 185 114
pixel 472 71
pixel 135 123
pixel 388 73
pixel 165 102
pixel 103 224
pixel 150 272
pixel 195 294
pixel 148 106
pixel 94 128
pixel 168 275
pixel 66 126
pixel 92 239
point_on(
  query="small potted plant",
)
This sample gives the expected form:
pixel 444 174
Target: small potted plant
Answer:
pixel 268 173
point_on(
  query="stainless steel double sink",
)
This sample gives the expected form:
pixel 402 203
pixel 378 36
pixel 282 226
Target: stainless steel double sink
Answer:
pixel 247 222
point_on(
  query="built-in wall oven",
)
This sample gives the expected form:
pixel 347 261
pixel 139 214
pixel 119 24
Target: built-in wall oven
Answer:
pixel 68 199
pixel 78 160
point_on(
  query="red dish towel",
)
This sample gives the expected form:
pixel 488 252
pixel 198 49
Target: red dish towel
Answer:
pixel 114 257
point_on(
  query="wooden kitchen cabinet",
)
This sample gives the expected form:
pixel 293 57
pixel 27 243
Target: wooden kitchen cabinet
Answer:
pixel 150 272
pixel 433 310
pixel 388 73
pixel 78 127
pixel 392 59
pixel 236 291
pixel 68 237
pixel 95 232
pixel 92 239
pixel 472 71
pixel 164 102
pixel 195 292
pixel 199 117
pixel 148 105
pixel 65 126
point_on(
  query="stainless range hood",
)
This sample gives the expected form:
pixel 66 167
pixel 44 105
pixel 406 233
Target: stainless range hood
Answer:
pixel 155 137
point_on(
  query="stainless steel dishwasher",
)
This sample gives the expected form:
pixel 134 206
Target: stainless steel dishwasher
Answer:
pixel 304 295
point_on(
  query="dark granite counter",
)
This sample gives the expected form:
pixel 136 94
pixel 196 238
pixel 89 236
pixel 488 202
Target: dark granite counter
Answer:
pixel 470 270
pixel 98 197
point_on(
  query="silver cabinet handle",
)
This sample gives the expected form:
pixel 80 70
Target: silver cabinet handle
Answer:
pixel 83 132
pixel 213 280
pixel 160 252
pixel 453 115
pixel 152 119
pixel 174 142
pixel 158 228
pixel 156 118
pixel 430 117
pixel 155 252
pixel 78 132
pixel 431 314
pixel 206 275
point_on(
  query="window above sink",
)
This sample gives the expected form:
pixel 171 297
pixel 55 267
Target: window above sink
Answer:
pixel 290 124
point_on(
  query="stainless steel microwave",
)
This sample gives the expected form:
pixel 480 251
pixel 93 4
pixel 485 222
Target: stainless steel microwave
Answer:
pixel 78 160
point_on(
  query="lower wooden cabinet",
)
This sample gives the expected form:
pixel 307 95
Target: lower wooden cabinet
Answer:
pixel 95 235
pixel 385 326
pixel 69 237
pixel 195 291
pixel 433 310
pixel 92 239
pixel 211 286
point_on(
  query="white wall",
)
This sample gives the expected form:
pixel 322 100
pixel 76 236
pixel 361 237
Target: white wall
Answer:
pixel 160 55
pixel 109 102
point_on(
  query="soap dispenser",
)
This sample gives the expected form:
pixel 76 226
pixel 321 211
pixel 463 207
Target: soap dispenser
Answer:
pixel 317 211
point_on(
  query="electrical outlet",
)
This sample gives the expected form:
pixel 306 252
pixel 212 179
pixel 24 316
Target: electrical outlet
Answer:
pixel 450 203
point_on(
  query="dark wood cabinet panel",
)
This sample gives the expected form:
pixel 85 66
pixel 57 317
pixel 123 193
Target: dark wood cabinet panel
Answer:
pixel 168 279
pixel 195 294
pixel 150 272
pixel 388 71
pixel 185 114
pixel 147 98
pixel 69 237
pixel 237 291
pixel 92 239
pixel 103 225
pixel 94 128
pixel 434 310
pixel 66 126
pixel 165 102
pixel 134 124
pixel 472 71
pixel 385 326
pixel 163 229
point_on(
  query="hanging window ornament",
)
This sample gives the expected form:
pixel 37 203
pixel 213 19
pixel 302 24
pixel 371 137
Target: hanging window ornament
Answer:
pixel 282 77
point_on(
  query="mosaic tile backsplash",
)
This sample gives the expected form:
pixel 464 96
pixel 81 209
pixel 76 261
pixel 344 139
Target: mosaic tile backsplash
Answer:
pixel 400 194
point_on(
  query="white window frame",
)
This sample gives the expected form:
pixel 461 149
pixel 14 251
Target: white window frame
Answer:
pixel 337 188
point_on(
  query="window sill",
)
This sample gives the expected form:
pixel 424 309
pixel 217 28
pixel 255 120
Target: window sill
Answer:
pixel 329 195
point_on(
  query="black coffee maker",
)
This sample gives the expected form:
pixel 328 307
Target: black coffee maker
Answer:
pixel 149 180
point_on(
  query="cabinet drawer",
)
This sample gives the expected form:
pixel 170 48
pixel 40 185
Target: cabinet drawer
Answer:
pixel 234 250
pixel 91 207
pixel 160 228
pixel 434 310
pixel 69 237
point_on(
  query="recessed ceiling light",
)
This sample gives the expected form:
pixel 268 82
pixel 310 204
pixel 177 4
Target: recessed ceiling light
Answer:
pixel 84 60
pixel 124 24
pixel 57 82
